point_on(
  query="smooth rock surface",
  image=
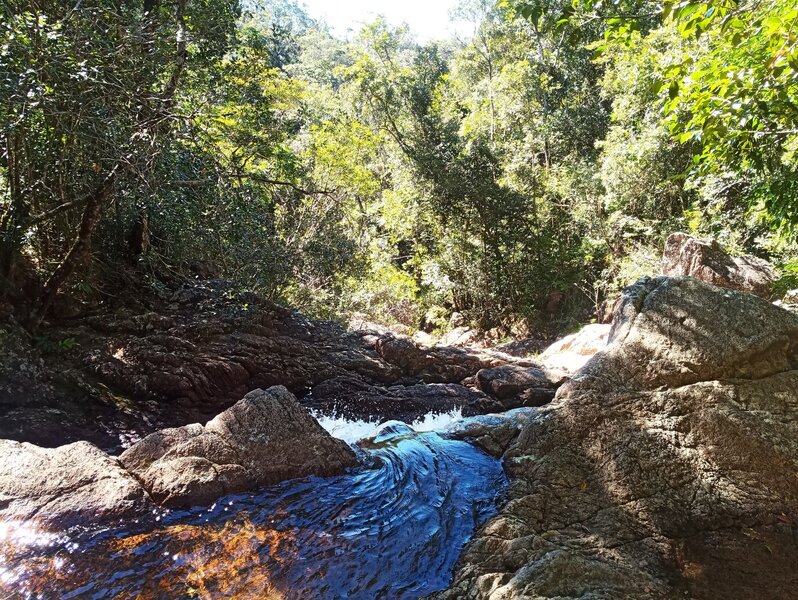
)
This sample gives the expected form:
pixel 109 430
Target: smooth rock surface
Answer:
pixel 265 438
pixel 666 468
pixel 76 484
pixel 707 261
pixel 493 432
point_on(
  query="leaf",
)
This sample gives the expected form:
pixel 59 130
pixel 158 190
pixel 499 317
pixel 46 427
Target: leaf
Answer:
pixel 673 89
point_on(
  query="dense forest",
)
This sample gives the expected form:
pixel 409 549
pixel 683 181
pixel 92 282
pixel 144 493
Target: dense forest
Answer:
pixel 517 178
pixel 289 312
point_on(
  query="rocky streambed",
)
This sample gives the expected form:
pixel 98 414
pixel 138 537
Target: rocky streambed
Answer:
pixel 664 467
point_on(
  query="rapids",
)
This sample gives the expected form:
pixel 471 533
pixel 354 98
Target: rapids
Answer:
pixel 392 532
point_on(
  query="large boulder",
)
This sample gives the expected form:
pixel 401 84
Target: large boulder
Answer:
pixel 666 468
pixel 70 485
pixel 707 261
pixel 265 438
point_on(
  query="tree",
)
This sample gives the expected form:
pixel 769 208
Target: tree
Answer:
pixel 88 98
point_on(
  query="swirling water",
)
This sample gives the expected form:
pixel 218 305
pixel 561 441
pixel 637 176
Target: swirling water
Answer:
pixel 392 532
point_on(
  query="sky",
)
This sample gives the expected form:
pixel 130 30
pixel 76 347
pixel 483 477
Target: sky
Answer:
pixel 428 19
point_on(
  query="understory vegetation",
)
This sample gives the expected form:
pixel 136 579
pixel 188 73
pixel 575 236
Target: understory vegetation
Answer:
pixel 515 180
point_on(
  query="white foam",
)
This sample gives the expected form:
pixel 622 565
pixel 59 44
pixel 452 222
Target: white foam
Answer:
pixel 437 421
pixel 354 430
pixel 348 430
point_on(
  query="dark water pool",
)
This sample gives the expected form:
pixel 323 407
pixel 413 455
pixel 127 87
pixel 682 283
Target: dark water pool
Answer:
pixel 394 532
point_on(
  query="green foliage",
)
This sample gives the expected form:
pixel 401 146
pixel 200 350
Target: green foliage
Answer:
pixel 47 345
pixel 524 175
pixel 730 94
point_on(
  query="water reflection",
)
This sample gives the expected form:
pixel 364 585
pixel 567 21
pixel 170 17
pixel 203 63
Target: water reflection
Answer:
pixel 392 532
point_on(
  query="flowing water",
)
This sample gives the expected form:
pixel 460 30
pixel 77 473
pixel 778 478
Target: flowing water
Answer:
pixel 391 532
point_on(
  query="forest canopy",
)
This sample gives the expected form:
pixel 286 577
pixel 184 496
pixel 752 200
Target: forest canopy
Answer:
pixel 515 180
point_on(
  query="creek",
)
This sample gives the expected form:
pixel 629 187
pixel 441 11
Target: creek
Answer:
pixel 394 532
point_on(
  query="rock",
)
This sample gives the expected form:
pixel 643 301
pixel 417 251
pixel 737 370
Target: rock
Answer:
pixel 459 336
pixel 360 322
pixel 127 374
pixel 707 261
pixel 518 386
pixel 790 297
pixel 76 484
pixel 446 364
pixel 571 352
pixel 265 438
pixel 492 432
pixel 438 364
pixel 353 397
pixel 676 331
pixel 403 352
pixel 666 468
pixel 422 338
pixel 130 372
pixel 523 348
pixel 789 301
pixel 457 320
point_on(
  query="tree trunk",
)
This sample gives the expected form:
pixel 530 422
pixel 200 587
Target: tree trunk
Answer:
pixel 92 211
pixel 10 221
pixel 79 250
pixel 139 240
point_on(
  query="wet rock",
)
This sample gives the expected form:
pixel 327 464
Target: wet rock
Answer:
pixel 707 261
pixel 353 397
pixel 570 353
pixel 664 469
pixel 518 386
pixel 265 438
pixel 493 432
pixel 76 484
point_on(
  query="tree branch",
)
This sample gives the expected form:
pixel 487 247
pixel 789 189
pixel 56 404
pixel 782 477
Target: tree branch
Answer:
pixel 253 177
pixel 47 215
